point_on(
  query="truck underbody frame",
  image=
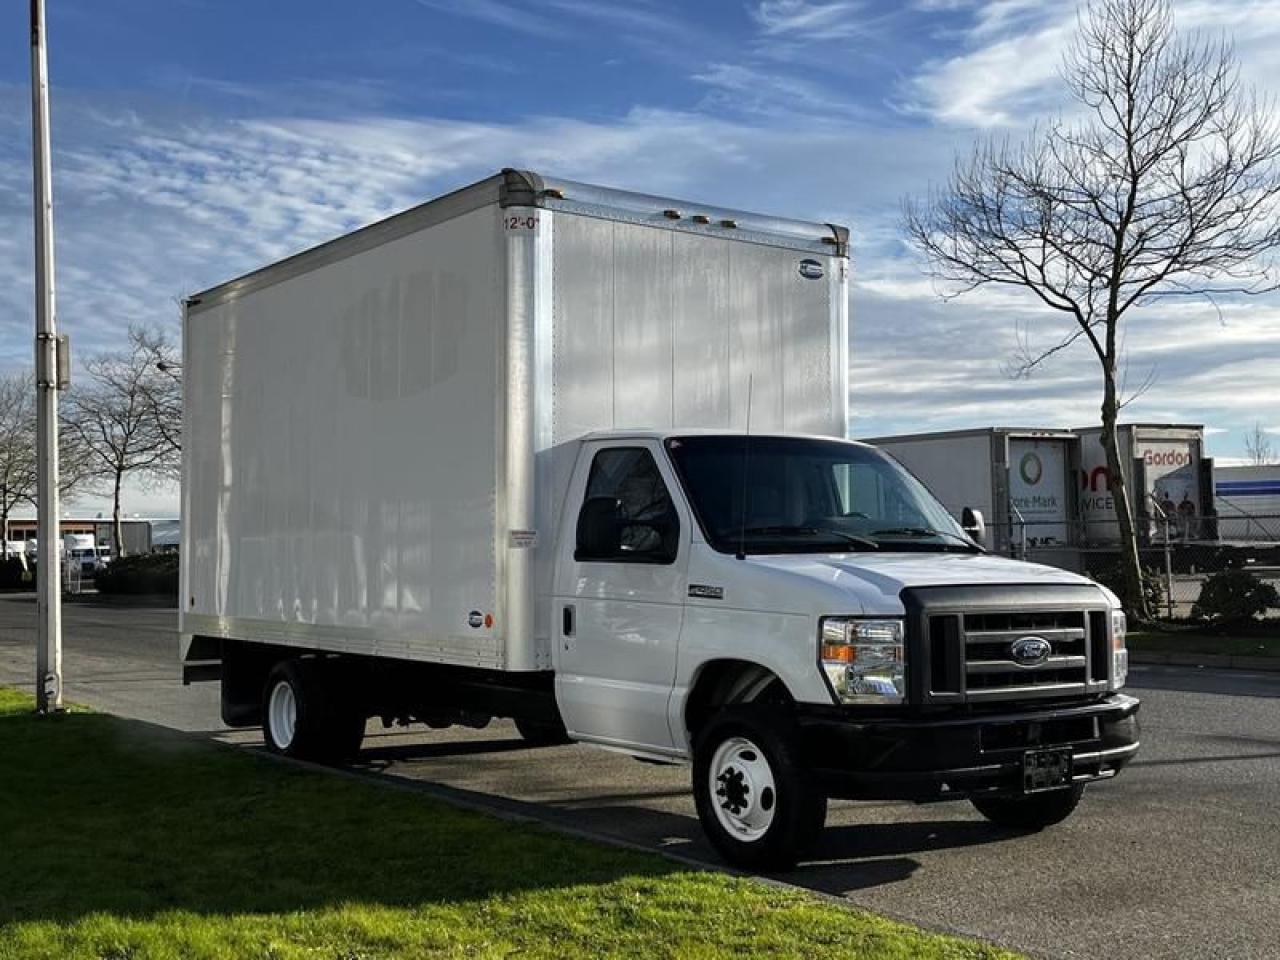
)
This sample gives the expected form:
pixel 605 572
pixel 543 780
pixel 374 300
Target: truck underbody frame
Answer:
pixel 395 690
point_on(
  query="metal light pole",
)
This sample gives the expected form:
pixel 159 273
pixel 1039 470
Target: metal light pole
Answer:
pixel 49 601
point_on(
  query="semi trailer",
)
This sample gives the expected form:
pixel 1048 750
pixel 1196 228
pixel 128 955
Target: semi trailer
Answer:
pixel 576 457
pixel 1023 479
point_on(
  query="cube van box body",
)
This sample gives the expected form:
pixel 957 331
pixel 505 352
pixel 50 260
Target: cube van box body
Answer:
pixel 576 457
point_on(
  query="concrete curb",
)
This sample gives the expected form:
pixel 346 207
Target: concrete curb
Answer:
pixel 1215 660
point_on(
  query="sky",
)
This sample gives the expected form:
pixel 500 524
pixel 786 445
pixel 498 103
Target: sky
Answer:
pixel 197 139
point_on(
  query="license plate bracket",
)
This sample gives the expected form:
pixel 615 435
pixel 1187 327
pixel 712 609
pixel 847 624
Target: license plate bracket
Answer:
pixel 1045 770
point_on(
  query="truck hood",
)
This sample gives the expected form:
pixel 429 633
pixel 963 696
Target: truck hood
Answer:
pixel 878 578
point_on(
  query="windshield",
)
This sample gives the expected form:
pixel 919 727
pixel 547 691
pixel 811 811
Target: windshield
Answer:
pixel 808 495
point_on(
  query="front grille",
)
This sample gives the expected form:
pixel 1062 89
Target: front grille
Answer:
pixel 971 654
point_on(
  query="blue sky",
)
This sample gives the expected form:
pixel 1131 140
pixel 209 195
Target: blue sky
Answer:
pixel 197 139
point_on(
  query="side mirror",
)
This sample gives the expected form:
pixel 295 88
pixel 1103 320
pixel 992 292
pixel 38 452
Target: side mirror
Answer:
pixel 599 529
pixel 974 525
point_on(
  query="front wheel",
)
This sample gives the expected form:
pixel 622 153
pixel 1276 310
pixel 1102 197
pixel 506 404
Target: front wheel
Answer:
pixel 755 800
pixel 1032 812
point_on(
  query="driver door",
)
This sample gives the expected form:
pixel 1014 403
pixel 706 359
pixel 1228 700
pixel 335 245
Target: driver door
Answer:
pixel 619 604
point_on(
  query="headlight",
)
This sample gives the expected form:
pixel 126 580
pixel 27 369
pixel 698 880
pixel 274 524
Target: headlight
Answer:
pixel 1119 655
pixel 863 659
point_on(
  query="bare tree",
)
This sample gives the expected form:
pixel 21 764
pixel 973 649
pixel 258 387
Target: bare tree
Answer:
pixel 162 389
pixel 17 447
pixel 1162 184
pixel 18 451
pixel 1257 447
pixel 112 424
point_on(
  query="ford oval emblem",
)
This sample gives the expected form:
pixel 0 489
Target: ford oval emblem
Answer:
pixel 1030 651
pixel 810 269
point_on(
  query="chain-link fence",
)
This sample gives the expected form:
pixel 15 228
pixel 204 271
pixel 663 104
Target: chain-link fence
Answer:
pixel 1192 565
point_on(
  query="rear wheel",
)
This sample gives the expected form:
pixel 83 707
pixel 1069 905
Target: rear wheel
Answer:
pixel 306 717
pixel 1032 812
pixel 755 800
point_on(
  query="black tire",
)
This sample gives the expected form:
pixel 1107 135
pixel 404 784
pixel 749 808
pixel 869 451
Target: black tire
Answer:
pixel 327 727
pixel 543 733
pixel 1032 812
pixel 799 810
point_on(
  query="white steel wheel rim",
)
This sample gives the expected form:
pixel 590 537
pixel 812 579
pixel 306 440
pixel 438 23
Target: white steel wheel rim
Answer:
pixel 744 794
pixel 282 714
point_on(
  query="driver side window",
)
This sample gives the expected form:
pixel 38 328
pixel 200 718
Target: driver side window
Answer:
pixel 627 515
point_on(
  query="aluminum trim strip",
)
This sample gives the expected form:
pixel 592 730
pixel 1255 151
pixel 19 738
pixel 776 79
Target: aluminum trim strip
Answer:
pixel 1036 690
pixel 522 188
pixel 1105 755
pixel 592 200
pixel 1012 666
pixel 997 636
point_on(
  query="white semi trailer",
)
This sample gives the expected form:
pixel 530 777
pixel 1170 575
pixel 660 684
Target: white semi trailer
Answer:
pixel 490 458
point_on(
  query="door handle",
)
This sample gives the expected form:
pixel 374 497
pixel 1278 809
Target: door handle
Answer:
pixel 566 621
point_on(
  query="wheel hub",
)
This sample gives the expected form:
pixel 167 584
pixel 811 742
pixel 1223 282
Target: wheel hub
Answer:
pixel 282 714
pixel 743 790
pixel 734 793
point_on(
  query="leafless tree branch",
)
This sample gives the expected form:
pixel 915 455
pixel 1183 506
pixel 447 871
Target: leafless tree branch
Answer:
pixel 1168 187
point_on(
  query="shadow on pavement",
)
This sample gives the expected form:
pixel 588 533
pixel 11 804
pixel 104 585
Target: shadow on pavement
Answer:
pixel 849 857
pixel 379 758
pixel 1220 758
pixel 841 879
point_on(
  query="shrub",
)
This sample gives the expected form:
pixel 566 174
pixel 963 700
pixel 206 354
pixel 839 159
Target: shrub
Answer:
pixel 13 573
pixel 1112 576
pixel 1234 596
pixel 145 573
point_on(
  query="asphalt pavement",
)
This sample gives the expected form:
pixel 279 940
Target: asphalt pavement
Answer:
pixel 1177 857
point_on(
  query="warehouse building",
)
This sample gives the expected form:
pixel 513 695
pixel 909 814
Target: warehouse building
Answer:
pixel 139 533
pixel 1248 503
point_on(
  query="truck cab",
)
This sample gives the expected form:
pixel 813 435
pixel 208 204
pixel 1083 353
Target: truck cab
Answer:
pixel 801 619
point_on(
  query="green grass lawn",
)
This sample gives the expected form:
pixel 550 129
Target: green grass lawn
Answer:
pixel 124 841
pixel 1253 641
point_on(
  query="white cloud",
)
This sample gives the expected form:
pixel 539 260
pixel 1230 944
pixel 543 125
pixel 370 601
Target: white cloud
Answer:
pixel 802 20
pixel 1009 71
pixel 740 89
pixel 504 15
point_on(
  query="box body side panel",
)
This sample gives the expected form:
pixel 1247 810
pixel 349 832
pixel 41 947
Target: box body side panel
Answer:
pixel 341 484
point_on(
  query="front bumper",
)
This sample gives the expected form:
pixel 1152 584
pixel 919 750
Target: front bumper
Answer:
pixel 962 754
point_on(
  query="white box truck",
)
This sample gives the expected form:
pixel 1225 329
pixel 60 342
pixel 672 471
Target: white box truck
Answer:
pixel 575 456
